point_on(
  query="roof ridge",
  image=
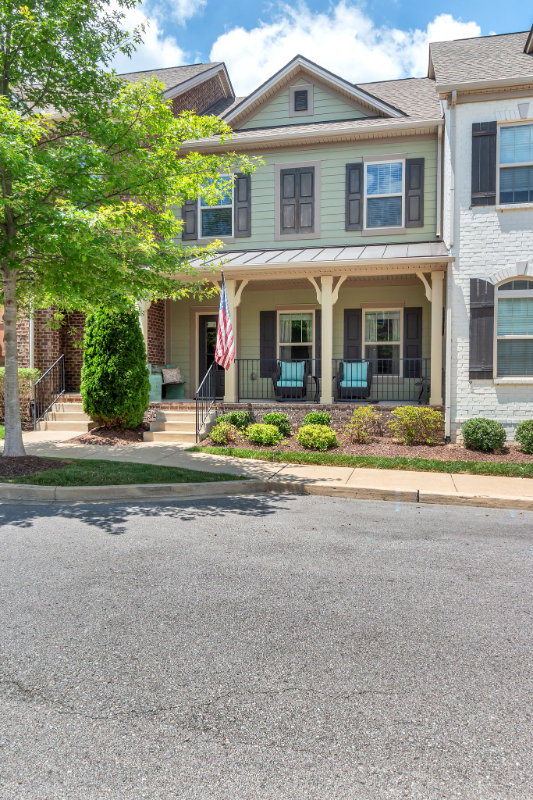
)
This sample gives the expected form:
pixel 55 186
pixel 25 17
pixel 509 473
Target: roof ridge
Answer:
pixel 178 66
pixel 477 38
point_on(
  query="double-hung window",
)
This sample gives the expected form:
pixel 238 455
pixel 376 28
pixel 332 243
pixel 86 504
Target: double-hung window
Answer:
pixel 216 220
pixel 296 335
pixel 384 190
pixel 516 164
pixel 514 329
pixel 383 341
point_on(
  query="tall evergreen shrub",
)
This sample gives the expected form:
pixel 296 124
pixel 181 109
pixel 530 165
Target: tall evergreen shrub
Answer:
pixel 114 379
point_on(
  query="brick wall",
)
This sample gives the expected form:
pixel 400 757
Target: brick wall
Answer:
pixel 200 97
pixel 71 334
pixel 47 341
pixel 486 240
pixel 156 333
pixel 23 341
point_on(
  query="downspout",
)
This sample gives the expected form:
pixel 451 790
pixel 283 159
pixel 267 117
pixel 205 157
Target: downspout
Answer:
pixel 448 343
pixel 32 339
pixel 438 232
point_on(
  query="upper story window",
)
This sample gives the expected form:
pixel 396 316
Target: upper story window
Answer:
pixel 514 328
pixel 516 164
pixel 217 220
pixel 301 100
pixel 384 189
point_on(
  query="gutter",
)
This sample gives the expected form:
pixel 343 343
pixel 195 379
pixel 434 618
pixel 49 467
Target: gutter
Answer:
pixel 467 86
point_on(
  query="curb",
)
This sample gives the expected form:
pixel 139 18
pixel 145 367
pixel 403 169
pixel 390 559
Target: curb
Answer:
pixel 190 491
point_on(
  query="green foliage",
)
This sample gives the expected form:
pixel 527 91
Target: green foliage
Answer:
pixel 483 434
pixel 524 435
pixel 281 421
pixel 363 425
pixel 317 437
pixel 240 419
pixel 27 378
pixel 317 418
pixel 224 432
pixel 415 424
pixel 264 434
pixel 114 379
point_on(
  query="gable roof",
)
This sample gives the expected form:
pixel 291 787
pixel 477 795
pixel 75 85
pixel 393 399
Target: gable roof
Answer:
pixel 177 80
pixel 484 60
pixel 296 65
pixel 415 97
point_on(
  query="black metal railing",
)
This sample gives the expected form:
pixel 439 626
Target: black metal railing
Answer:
pixel 382 380
pixel 282 379
pixel 204 398
pixel 48 389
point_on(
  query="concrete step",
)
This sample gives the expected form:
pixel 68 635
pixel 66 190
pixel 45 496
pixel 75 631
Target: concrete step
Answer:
pixel 178 437
pixel 176 416
pixel 185 427
pixel 67 416
pixel 68 407
pixel 54 425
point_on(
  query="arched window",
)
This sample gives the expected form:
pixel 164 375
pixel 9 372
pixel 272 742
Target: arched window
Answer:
pixel 514 328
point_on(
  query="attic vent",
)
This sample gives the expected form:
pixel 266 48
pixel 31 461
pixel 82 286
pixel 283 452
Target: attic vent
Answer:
pixel 300 100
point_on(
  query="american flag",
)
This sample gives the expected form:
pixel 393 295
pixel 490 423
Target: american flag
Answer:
pixel 225 349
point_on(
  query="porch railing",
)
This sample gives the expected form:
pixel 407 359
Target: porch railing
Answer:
pixel 260 378
pixel 48 389
pixel 204 399
pixel 393 380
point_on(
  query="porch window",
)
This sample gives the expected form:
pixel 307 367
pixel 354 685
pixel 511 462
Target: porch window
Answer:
pixel 514 329
pixel 296 335
pixel 383 341
pixel 217 220
pixel 384 194
pixel 516 164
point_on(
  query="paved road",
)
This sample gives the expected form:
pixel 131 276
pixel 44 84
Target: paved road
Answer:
pixel 271 648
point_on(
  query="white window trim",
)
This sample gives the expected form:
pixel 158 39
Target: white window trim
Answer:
pixel 506 206
pixel 375 196
pixel 371 344
pixel 306 87
pixel 231 237
pixel 280 344
pixel 512 295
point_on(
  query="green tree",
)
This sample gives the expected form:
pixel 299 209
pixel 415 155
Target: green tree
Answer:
pixel 114 378
pixel 90 172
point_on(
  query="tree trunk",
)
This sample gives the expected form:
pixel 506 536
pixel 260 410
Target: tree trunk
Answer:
pixel 13 445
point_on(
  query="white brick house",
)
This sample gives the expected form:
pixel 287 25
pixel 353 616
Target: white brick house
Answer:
pixel 486 89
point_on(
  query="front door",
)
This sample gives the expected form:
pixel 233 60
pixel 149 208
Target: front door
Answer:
pixel 207 345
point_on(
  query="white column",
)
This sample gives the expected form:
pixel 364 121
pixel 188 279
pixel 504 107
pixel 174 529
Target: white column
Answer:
pixel 326 381
pixel 437 298
pixel 143 306
pixel 230 390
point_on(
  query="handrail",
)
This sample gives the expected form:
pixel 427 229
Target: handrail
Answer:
pixel 48 389
pixel 204 399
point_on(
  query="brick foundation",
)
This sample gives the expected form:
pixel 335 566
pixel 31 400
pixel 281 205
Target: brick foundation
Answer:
pixel 156 333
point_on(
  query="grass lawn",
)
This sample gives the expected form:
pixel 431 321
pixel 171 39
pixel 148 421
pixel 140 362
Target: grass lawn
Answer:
pixel 2 432
pixel 82 472
pixel 501 468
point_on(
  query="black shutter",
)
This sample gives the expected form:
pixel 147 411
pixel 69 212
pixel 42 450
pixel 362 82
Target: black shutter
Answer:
pixel 289 201
pixel 189 215
pixel 306 200
pixel 297 201
pixel 484 164
pixel 352 333
pixel 267 343
pixel 414 193
pixel 318 343
pixel 354 196
pixel 412 341
pixel 242 206
pixel 481 330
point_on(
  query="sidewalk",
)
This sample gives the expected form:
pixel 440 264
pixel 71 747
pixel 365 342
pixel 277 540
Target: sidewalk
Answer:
pixel 372 484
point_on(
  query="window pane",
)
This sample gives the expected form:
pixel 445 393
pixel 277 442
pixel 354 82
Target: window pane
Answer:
pixel 516 144
pixel 515 357
pixel 384 178
pixel 385 358
pixel 223 200
pixel 382 326
pixel 516 185
pixel 216 222
pixel 518 286
pixel 296 351
pixel 296 327
pixel 385 212
pixel 515 316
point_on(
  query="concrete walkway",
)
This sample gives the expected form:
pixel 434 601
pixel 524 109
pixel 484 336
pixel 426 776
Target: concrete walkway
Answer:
pixel 429 487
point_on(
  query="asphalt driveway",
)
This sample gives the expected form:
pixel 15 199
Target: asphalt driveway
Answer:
pixel 265 648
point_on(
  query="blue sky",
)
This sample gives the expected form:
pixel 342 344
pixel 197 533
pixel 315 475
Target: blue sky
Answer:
pixel 361 41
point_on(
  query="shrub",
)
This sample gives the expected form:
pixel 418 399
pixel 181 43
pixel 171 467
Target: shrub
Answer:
pixel 415 424
pixel 27 378
pixel 524 435
pixel 114 378
pixel 363 425
pixel 224 432
pixel 281 421
pixel 317 418
pixel 240 419
pixel 483 434
pixel 263 434
pixel 317 437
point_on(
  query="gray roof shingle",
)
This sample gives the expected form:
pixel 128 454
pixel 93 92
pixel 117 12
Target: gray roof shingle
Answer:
pixel 416 97
pixel 170 76
pixel 224 106
pixel 484 58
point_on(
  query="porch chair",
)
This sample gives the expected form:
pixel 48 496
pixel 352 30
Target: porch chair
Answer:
pixel 165 383
pixel 290 380
pixel 354 380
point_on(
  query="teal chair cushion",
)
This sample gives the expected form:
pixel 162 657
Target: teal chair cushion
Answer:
pixel 289 384
pixel 354 373
pixel 292 371
pixel 352 384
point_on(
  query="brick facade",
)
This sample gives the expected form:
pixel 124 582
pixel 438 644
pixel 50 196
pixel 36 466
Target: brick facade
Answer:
pixel 72 332
pixel 23 341
pixel 200 97
pixel 156 349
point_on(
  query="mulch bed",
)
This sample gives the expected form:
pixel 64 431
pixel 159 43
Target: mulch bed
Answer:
pixel 391 449
pixel 11 466
pixel 111 436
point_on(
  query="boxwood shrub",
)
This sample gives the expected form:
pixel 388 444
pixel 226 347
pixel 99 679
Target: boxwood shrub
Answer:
pixel 240 419
pixel 317 437
pixel 317 418
pixel 281 421
pixel 224 433
pixel 264 434
pixel 524 435
pixel 483 434
pixel 415 424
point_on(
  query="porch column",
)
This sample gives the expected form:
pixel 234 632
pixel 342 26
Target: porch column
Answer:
pixel 327 302
pixel 143 306
pixel 437 297
pixel 230 390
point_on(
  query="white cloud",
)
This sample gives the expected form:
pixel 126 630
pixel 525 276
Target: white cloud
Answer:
pixel 157 50
pixel 182 10
pixel 344 40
